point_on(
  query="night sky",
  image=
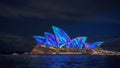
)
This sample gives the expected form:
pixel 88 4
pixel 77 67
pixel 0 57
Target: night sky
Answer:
pixel 99 20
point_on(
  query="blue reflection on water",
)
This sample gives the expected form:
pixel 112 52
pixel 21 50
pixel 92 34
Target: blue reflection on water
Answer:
pixel 59 61
pixel 70 62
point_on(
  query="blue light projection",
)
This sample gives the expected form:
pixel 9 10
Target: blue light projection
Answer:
pixel 77 42
pixel 81 41
pixel 87 45
pixel 50 40
pixel 93 45
pixel 61 39
pixel 40 40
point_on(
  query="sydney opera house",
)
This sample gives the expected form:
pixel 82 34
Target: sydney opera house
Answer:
pixel 61 39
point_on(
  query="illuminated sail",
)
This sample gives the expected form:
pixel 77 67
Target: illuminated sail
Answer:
pixel 87 45
pixel 77 42
pixel 93 45
pixel 61 37
pixel 50 40
pixel 40 40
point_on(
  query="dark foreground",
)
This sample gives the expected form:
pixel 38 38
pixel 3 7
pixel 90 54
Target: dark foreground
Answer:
pixel 59 61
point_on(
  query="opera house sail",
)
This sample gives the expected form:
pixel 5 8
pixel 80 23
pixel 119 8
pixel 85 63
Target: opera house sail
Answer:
pixel 40 40
pixel 61 39
pixel 77 42
pixel 50 40
pixel 93 45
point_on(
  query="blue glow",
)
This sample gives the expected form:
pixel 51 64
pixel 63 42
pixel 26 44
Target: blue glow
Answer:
pixel 62 37
pixel 50 40
pixel 87 45
pixel 99 43
pixel 93 45
pixel 77 42
pixel 81 41
pixel 40 40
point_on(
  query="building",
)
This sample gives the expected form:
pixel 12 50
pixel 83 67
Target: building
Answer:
pixel 61 39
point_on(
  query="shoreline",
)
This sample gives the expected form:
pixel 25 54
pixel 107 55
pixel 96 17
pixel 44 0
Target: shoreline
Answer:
pixel 59 54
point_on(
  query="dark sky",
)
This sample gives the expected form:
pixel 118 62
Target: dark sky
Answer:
pixel 96 19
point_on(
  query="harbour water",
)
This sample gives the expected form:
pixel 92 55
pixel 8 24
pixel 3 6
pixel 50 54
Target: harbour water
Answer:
pixel 59 61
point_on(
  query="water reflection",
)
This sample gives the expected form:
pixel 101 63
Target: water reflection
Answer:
pixel 70 62
pixel 58 61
